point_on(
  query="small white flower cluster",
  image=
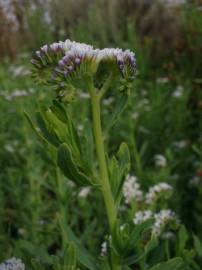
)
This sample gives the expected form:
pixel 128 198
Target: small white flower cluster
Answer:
pixel 179 91
pixel 161 219
pixel 18 71
pixel 84 192
pixel 16 93
pixel 142 216
pixel 159 190
pixel 160 160
pixel 131 190
pixel 8 10
pixel 103 249
pixel 12 264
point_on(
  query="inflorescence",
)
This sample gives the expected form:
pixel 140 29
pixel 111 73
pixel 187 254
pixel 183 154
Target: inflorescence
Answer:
pixel 12 264
pixel 67 60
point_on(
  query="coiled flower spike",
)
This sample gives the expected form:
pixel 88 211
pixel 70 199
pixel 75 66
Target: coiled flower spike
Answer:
pixel 63 63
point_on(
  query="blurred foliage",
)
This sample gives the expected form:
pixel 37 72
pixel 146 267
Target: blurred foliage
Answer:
pixel 163 117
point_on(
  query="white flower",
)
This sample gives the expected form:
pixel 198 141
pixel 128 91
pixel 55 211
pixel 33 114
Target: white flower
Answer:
pixel 84 192
pixel 135 115
pixel 103 249
pixel 160 160
pixel 178 93
pixel 108 101
pixel 163 218
pixel 159 190
pixel 142 216
pixel 12 264
pixel 131 190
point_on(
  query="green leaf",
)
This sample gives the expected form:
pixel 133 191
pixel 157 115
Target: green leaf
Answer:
pixel 182 240
pixel 137 257
pixel 119 108
pixel 118 168
pixel 198 246
pixel 83 256
pixel 138 230
pixel 34 128
pixel 70 168
pixel 70 257
pixel 172 264
pixel 47 134
pixel 35 251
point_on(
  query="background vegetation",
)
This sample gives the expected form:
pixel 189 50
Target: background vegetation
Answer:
pixel 164 116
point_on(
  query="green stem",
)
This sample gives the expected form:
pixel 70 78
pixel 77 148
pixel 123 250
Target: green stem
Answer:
pixel 104 178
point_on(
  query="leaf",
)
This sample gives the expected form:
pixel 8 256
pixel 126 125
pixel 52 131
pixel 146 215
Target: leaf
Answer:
pixel 119 108
pixel 70 168
pixel 35 251
pixel 49 136
pixel 172 264
pixel 198 246
pixel 182 240
pixel 34 128
pixel 70 257
pixel 138 230
pixel 84 257
pixel 137 257
pixel 118 168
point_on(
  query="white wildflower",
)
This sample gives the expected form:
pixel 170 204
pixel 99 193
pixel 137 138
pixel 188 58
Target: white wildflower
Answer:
pixel 142 216
pixel 158 191
pixel 84 192
pixel 180 144
pixel 131 190
pixel 178 93
pixel 163 218
pixel 103 249
pixel 135 115
pixel 108 101
pixel 160 160
pixel 12 264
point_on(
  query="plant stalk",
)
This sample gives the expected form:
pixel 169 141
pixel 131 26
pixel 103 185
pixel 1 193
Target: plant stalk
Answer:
pixel 104 178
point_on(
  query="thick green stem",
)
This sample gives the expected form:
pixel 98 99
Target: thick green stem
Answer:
pixel 104 178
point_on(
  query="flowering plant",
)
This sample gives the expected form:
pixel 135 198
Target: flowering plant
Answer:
pixel 69 67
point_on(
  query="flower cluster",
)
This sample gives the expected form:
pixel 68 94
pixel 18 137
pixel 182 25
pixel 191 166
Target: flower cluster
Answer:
pixel 161 219
pixel 142 216
pixel 131 190
pixel 160 160
pixel 160 190
pixel 12 264
pixel 69 59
